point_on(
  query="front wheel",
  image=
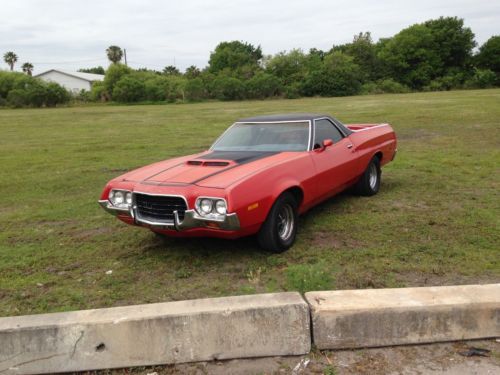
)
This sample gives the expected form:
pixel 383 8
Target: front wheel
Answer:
pixel 369 182
pixel 278 232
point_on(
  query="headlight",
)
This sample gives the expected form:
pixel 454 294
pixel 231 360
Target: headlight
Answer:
pixel 220 207
pixel 206 206
pixel 120 198
pixel 211 208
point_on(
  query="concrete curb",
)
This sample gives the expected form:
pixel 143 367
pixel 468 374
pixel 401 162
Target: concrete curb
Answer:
pixel 244 327
pixel 383 317
pixel 174 332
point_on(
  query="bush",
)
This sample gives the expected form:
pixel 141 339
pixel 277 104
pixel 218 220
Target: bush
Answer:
pixel 339 76
pixel 263 85
pixel 128 89
pixel 292 91
pixel 17 98
pixel 33 92
pixel 98 92
pixel 55 94
pixel 386 86
pixel 114 73
pixel 195 90
pixel 482 78
pixel 228 88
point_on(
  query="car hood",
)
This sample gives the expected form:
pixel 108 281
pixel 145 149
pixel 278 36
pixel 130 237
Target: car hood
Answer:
pixel 210 169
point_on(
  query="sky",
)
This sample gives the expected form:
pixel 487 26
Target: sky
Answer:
pixel 74 34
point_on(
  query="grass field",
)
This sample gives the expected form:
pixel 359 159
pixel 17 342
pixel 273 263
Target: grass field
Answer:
pixel 435 221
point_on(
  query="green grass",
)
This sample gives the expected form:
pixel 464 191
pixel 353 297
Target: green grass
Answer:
pixel 435 220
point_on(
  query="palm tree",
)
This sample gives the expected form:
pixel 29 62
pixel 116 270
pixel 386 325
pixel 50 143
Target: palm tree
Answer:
pixel 114 53
pixel 10 58
pixel 27 68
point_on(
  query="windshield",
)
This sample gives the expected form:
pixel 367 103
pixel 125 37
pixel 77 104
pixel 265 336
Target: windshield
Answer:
pixel 282 136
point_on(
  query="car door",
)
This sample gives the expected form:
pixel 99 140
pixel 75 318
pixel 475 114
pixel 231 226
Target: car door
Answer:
pixel 335 164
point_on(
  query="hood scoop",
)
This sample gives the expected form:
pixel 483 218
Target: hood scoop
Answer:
pixel 208 163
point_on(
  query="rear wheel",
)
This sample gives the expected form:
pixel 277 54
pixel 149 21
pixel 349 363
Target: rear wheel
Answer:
pixel 278 232
pixel 369 182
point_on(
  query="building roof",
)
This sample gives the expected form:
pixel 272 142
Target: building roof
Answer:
pixel 90 77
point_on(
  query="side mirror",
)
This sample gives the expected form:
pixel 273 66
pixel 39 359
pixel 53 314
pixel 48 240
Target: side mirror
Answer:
pixel 327 143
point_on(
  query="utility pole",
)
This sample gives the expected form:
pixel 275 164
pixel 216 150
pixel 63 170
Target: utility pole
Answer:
pixel 125 56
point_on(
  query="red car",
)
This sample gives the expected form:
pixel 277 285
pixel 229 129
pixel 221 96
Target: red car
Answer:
pixel 255 179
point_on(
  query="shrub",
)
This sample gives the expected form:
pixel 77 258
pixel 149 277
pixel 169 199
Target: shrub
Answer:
pixel 263 85
pixel 154 89
pixel 292 91
pixel 339 76
pixel 17 98
pixel 98 92
pixel 228 88
pixel 481 79
pixel 114 73
pixel 385 86
pixel 55 94
pixel 195 90
pixel 307 277
pixel 128 89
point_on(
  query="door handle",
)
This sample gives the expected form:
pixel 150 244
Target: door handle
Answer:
pixel 349 146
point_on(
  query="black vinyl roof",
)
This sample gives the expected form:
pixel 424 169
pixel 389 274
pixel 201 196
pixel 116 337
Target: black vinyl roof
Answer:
pixel 284 117
pixel 296 117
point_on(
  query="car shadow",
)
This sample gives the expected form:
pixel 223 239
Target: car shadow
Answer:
pixel 206 246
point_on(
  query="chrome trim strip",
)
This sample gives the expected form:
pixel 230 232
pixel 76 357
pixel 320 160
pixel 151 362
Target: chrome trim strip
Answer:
pixel 160 195
pixel 309 148
pixel 368 128
pixel 108 207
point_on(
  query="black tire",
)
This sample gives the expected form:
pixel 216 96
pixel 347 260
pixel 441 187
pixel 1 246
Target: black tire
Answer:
pixel 275 235
pixel 369 182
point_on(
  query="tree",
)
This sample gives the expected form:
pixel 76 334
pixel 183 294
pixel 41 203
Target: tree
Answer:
pixel 423 52
pixel 488 56
pixel 114 54
pixel 364 53
pixel 339 76
pixel 289 67
pixel 94 70
pixel 263 85
pixel 114 73
pixel 452 41
pixel 27 68
pixel 411 56
pixel 192 72
pixel 171 70
pixel 235 56
pixel 10 58
pixel 129 89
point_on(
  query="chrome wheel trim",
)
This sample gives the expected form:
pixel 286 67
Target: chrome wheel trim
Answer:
pixel 286 222
pixel 373 176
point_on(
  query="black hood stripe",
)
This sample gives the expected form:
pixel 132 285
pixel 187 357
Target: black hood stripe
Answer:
pixel 239 157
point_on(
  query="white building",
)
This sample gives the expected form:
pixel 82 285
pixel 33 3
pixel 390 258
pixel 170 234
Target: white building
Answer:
pixel 72 81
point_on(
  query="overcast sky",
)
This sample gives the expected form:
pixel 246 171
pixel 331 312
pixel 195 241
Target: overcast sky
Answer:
pixel 74 34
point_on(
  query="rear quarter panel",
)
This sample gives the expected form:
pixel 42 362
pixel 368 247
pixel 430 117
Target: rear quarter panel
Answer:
pixel 370 139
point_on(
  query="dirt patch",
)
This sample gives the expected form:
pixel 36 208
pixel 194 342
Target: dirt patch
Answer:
pixel 89 233
pixel 442 358
pixel 334 240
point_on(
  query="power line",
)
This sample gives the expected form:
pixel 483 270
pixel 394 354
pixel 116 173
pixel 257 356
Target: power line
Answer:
pixel 69 62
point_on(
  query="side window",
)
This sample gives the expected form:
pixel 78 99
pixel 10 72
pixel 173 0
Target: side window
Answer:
pixel 324 129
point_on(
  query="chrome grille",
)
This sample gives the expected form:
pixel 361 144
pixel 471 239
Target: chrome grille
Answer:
pixel 159 208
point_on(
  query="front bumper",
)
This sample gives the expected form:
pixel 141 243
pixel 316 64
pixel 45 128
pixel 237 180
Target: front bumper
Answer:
pixel 191 219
